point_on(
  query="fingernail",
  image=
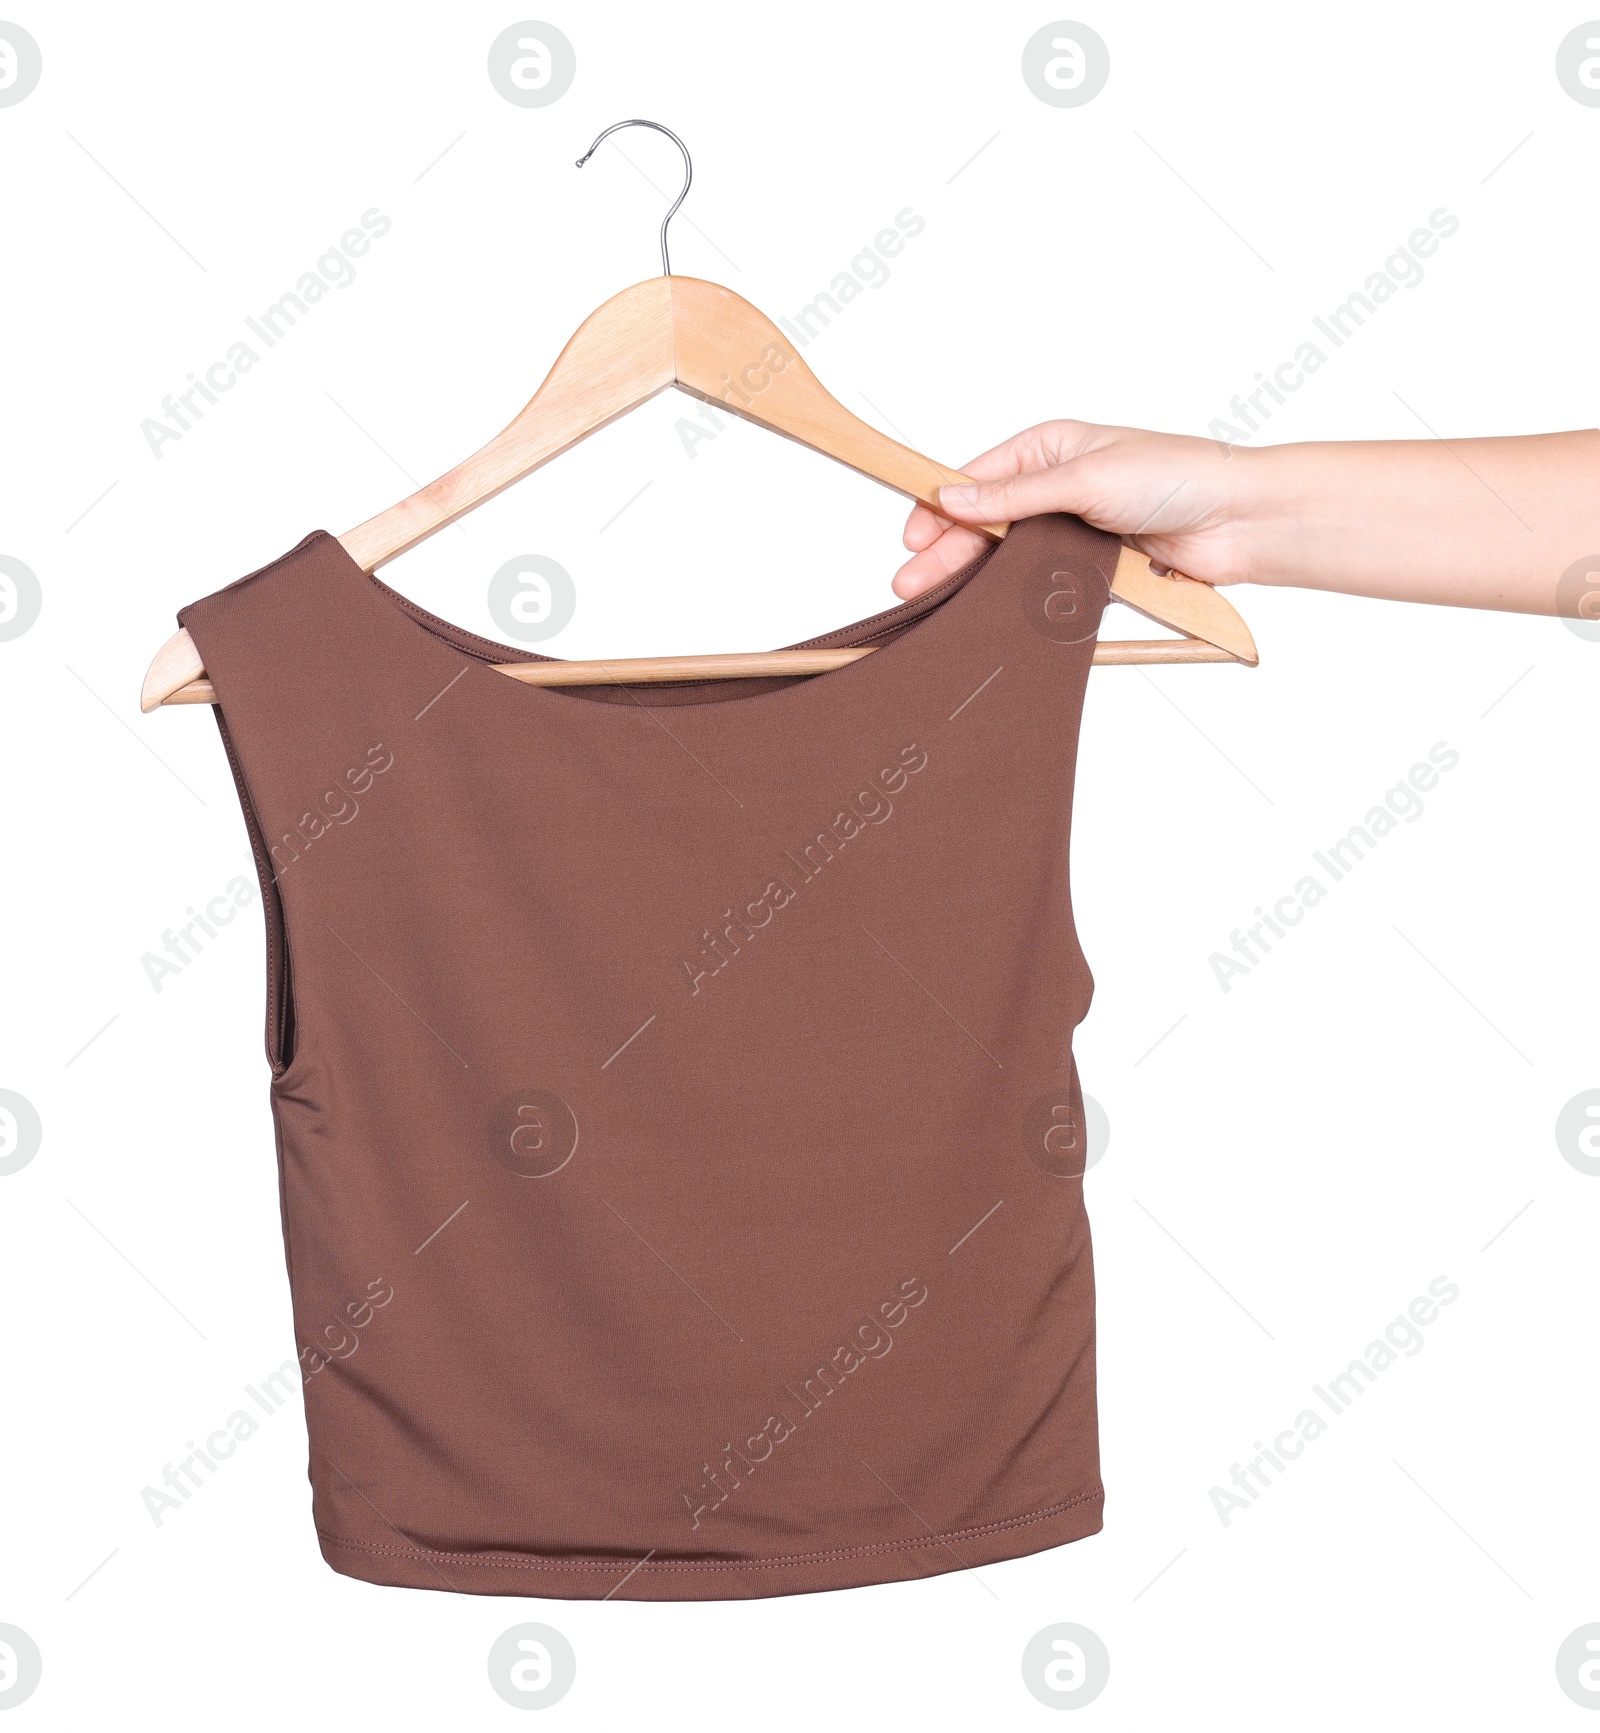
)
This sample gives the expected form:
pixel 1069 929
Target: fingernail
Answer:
pixel 958 496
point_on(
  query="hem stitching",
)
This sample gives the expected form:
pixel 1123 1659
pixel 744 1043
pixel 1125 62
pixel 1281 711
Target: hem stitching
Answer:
pixel 785 1561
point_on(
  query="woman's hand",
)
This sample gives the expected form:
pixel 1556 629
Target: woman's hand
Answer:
pixel 1171 497
pixel 1510 523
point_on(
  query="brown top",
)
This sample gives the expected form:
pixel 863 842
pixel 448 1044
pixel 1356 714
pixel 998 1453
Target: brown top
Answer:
pixel 680 1140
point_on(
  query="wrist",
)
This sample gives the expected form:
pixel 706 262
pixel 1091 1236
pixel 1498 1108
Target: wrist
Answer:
pixel 1271 504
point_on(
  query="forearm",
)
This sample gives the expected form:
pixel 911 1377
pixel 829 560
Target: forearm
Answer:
pixel 1484 523
pixel 1472 523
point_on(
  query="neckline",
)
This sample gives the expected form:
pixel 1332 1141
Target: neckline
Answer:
pixel 903 624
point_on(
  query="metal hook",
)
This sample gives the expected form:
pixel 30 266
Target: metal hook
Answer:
pixel 688 175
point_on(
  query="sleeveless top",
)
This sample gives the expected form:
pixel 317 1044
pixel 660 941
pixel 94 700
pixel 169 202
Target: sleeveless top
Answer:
pixel 680 1142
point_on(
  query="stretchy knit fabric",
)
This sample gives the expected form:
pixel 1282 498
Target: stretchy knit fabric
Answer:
pixel 680 1141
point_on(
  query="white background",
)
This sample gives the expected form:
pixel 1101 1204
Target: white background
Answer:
pixel 1365 1111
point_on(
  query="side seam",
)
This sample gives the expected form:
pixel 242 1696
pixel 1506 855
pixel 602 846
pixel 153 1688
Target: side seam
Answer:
pixel 280 1021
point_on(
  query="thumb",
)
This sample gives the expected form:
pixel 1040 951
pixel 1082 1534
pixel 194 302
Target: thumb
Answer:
pixel 1016 496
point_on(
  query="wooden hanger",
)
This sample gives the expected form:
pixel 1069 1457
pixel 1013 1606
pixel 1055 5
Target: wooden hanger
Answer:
pixel 707 341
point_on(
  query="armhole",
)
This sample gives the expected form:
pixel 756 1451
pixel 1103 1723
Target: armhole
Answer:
pixel 280 1030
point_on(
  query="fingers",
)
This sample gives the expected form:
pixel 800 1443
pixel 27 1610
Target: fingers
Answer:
pixel 954 549
pixel 1009 498
pixel 1203 559
pixel 1035 448
pixel 923 528
pixel 1041 447
pixel 1124 480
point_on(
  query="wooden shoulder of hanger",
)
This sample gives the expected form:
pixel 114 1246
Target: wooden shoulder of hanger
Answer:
pixel 704 339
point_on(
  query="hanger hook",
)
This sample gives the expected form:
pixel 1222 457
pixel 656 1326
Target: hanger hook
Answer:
pixel 688 175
